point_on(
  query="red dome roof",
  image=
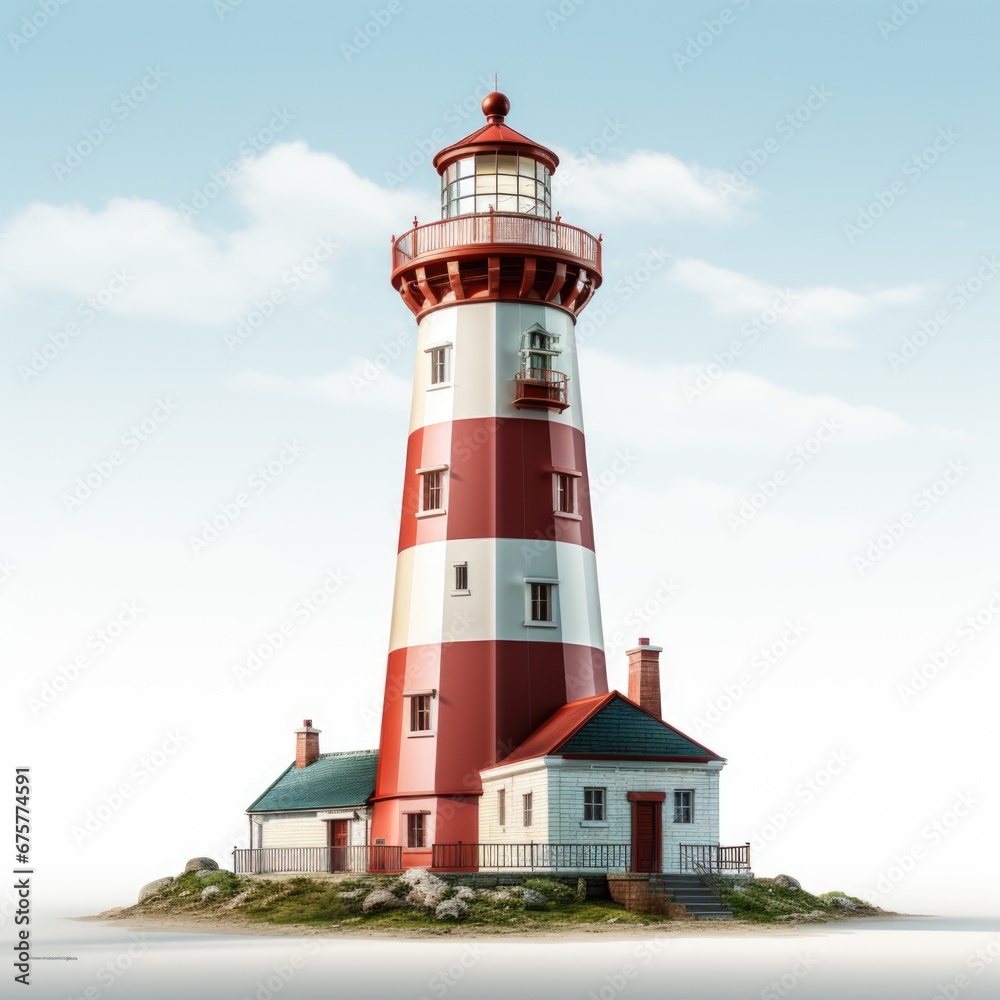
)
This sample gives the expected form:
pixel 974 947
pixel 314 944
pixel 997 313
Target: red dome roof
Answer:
pixel 495 136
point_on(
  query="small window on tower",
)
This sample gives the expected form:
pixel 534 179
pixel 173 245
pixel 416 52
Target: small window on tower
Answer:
pixel 439 358
pixel 461 588
pixel 420 713
pixel 540 596
pixel 432 490
pixel 538 348
pixel 565 494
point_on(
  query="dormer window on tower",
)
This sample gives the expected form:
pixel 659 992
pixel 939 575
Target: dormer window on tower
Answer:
pixel 505 182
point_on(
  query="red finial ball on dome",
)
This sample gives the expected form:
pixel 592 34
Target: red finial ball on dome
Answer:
pixel 495 106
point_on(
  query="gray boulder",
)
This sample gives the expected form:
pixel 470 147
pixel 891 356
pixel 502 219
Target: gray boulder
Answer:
pixel 154 888
pixel 200 864
pixel 380 899
pixel 534 900
pixel 465 892
pixel 451 909
pixel 210 892
pixel 844 903
pixel 787 882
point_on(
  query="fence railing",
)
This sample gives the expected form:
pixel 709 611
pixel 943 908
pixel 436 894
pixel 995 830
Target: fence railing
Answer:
pixel 528 857
pixel 714 858
pixel 496 228
pixel 359 858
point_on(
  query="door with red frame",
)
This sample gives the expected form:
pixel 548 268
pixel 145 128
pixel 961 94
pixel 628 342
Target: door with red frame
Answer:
pixel 336 839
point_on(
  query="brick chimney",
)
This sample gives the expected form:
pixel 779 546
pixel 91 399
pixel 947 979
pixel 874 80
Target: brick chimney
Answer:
pixel 644 676
pixel 307 744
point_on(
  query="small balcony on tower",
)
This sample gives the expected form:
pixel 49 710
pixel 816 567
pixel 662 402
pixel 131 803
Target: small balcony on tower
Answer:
pixel 540 388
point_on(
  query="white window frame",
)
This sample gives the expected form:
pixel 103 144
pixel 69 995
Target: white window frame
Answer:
pixel 430 350
pixel 603 821
pixel 527 809
pixel 460 591
pixel 433 511
pixel 574 478
pixel 409 696
pixel 680 806
pixel 553 585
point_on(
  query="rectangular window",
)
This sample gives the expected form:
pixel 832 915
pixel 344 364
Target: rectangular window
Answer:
pixel 420 713
pixel 432 494
pixel 502 807
pixel 415 830
pixel 684 806
pixel 526 808
pixel 541 602
pixel 461 578
pixel 565 493
pixel 439 366
pixel 593 805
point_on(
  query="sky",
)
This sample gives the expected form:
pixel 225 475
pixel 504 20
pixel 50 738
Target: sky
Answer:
pixel 788 381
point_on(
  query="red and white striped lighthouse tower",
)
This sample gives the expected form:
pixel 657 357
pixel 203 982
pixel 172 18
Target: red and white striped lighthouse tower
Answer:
pixel 496 619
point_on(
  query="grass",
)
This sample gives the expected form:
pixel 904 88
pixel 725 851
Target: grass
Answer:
pixel 760 901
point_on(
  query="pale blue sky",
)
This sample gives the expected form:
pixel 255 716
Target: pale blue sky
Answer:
pixel 878 102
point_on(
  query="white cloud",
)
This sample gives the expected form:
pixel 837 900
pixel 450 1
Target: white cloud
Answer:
pixel 822 315
pixel 362 383
pixel 292 198
pixel 738 411
pixel 647 186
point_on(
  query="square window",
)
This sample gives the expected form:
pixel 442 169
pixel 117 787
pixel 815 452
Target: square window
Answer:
pixel 502 807
pixel 416 832
pixel 420 713
pixel 461 578
pixel 565 493
pixel 684 806
pixel 432 492
pixel 593 805
pixel 526 808
pixel 540 602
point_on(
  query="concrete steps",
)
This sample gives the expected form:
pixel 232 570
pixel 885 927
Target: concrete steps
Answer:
pixel 699 900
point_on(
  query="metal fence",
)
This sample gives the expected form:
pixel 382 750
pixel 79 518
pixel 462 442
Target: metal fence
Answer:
pixel 529 857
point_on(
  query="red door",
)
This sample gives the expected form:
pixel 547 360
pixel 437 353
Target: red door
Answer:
pixel 337 842
pixel 646 836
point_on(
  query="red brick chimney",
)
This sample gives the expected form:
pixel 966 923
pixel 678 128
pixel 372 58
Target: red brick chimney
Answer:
pixel 307 744
pixel 644 676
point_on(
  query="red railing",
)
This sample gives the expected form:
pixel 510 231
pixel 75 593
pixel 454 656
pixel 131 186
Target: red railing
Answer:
pixel 359 858
pixel 529 857
pixel 540 387
pixel 496 228
pixel 713 858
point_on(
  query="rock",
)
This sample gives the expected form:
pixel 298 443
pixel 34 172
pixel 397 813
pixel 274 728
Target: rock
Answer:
pixel 210 892
pixel 787 882
pixel 534 900
pixel 844 903
pixel 380 899
pixel 451 909
pixel 464 892
pixel 426 889
pixel 197 864
pixel 239 899
pixel 205 872
pixel 154 888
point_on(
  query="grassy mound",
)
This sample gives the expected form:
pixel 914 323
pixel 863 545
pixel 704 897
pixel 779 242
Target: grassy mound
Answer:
pixel 761 901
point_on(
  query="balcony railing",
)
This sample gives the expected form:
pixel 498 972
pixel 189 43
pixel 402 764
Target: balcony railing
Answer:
pixel 359 858
pixel 496 228
pixel 540 387
pixel 529 857
pixel 713 858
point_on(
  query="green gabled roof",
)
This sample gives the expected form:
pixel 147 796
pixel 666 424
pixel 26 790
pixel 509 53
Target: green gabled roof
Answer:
pixel 335 780
pixel 622 728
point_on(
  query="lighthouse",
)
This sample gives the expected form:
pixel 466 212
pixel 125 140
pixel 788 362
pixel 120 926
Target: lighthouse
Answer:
pixel 496 618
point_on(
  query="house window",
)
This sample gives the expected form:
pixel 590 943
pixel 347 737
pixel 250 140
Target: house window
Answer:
pixel 431 489
pixel 684 806
pixel 526 808
pixel 420 713
pixel 593 805
pixel 502 807
pixel 540 601
pixel 416 832
pixel 440 362
pixel 461 578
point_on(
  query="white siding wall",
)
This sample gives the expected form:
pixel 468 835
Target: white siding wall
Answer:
pixel 568 779
pixel 532 779
pixel 292 830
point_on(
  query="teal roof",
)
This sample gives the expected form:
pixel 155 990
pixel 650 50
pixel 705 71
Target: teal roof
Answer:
pixel 621 728
pixel 334 781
